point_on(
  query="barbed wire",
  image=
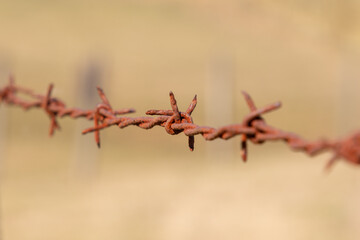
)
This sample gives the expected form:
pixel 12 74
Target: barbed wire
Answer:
pixel 253 127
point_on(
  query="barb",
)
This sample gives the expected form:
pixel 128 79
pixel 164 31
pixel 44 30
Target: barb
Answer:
pixel 55 108
pixel 253 127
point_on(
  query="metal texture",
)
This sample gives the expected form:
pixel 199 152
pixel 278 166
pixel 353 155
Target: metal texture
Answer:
pixel 253 127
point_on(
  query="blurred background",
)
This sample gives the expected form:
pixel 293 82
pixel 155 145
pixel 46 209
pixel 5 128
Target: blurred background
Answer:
pixel 147 184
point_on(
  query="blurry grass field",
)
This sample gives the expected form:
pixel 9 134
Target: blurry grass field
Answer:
pixel 285 195
pixel 147 185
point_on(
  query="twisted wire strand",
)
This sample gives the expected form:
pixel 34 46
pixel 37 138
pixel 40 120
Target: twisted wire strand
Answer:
pixel 253 127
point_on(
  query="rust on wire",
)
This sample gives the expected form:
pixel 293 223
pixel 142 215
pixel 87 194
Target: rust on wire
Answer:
pixel 253 127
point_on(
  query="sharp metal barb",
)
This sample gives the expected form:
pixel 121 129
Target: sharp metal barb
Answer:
pixel 249 101
pixel 192 106
pixel 174 106
pixel 103 97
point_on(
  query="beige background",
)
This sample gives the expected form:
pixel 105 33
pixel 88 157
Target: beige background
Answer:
pixel 146 184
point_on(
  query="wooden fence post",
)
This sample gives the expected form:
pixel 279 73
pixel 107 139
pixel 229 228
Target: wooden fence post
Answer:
pixel 86 152
pixel 219 107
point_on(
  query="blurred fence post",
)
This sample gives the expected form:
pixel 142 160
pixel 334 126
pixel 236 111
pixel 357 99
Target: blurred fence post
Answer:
pixel 348 113
pixel 86 152
pixel 3 152
pixel 4 74
pixel 219 107
pixel 3 127
pixel 344 19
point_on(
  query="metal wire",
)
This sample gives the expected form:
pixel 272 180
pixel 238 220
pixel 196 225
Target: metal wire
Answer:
pixel 253 126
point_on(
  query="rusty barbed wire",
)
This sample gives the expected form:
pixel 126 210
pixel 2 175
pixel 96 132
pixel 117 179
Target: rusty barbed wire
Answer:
pixel 253 127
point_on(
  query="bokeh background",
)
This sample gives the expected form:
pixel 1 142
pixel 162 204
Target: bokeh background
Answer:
pixel 146 184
